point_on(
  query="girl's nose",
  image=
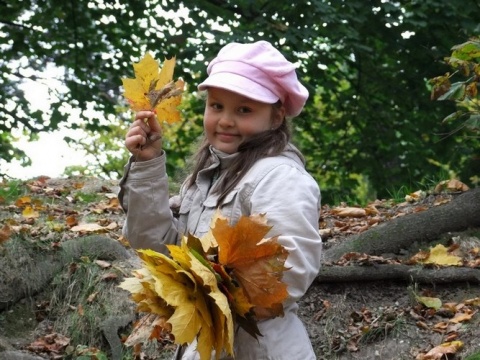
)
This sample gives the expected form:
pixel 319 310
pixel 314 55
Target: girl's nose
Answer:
pixel 226 120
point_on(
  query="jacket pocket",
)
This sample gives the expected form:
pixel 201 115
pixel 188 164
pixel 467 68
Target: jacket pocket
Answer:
pixel 184 212
pixel 230 208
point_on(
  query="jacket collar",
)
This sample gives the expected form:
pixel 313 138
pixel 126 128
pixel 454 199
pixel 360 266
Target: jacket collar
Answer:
pixel 221 161
pixel 221 158
pixel 224 159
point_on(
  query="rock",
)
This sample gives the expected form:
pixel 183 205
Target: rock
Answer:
pixel 110 328
pixel 4 344
pixel 25 271
pixel 18 355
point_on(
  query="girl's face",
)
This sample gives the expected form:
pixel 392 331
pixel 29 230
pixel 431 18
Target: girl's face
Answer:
pixel 231 118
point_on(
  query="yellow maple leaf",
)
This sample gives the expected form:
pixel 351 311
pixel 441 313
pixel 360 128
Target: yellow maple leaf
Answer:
pixel 179 290
pixel 473 301
pixel 184 292
pixel 218 330
pixel 154 89
pixel 29 212
pixel 142 287
pixel 439 255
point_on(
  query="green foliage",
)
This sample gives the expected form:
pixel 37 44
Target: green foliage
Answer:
pixel 475 356
pixel 461 87
pixel 11 191
pixel 87 197
pixel 181 139
pixel 106 148
pixel 398 195
pixel 369 122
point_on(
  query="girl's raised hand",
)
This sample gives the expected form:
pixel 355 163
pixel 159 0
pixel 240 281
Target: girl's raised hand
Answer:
pixel 144 138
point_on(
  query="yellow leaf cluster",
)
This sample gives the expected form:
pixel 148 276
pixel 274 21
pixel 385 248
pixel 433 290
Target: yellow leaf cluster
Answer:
pixel 230 276
pixel 154 89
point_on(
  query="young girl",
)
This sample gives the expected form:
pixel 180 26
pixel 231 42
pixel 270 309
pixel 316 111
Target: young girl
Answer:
pixel 246 165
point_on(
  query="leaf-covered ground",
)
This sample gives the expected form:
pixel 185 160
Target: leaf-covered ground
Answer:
pixel 363 320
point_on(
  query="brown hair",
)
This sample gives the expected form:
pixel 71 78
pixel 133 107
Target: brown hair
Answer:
pixel 265 144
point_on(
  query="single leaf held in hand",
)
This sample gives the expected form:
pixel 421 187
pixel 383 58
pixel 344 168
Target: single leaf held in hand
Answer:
pixel 154 89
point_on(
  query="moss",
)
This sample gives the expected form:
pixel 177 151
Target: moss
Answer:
pixel 87 198
pixel 475 356
pixel 19 320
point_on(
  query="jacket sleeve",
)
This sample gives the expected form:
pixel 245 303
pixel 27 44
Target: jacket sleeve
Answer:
pixel 290 198
pixel 144 196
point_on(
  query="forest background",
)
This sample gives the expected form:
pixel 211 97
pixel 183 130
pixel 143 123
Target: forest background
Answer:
pixel 370 126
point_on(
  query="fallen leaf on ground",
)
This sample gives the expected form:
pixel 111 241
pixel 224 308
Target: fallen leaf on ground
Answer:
pixel 438 352
pixel 438 255
pixel 89 228
pixel 452 185
pixel 5 233
pixel 349 212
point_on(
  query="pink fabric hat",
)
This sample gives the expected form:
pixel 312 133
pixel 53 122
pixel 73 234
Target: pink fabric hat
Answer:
pixel 257 71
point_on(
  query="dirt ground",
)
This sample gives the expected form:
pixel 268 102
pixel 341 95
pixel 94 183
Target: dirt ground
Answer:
pixel 380 320
pixel 336 316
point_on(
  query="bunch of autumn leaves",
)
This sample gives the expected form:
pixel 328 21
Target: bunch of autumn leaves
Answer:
pixel 231 276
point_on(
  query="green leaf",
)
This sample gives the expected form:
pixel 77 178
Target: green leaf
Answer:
pixel 467 51
pixel 473 122
pixel 430 302
pixel 453 116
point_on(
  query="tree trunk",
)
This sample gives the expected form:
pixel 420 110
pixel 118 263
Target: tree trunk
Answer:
pixel 461 213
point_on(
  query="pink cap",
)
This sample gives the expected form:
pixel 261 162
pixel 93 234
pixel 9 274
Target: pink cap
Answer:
pixel 257 71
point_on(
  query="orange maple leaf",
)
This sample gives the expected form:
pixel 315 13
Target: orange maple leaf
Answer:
pixel 256 263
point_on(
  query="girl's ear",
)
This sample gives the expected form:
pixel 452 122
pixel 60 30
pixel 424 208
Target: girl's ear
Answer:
pixel 278 116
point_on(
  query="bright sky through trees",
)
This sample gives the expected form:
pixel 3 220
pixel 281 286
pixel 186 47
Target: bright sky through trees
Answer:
pixel 50 155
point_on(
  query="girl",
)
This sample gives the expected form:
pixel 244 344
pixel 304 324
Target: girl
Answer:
pixel 246 165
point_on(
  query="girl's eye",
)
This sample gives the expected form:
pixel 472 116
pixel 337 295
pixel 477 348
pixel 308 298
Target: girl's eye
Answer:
pixel 216 106
pixel 244 110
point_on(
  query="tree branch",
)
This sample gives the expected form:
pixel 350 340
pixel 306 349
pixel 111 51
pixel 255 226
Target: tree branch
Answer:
pixel 400 233
pixel 337 274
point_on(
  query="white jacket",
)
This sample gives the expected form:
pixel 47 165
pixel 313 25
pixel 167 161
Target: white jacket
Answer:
pixel 276 186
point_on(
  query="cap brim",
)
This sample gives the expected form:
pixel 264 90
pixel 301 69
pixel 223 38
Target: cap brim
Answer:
pixel 240 85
